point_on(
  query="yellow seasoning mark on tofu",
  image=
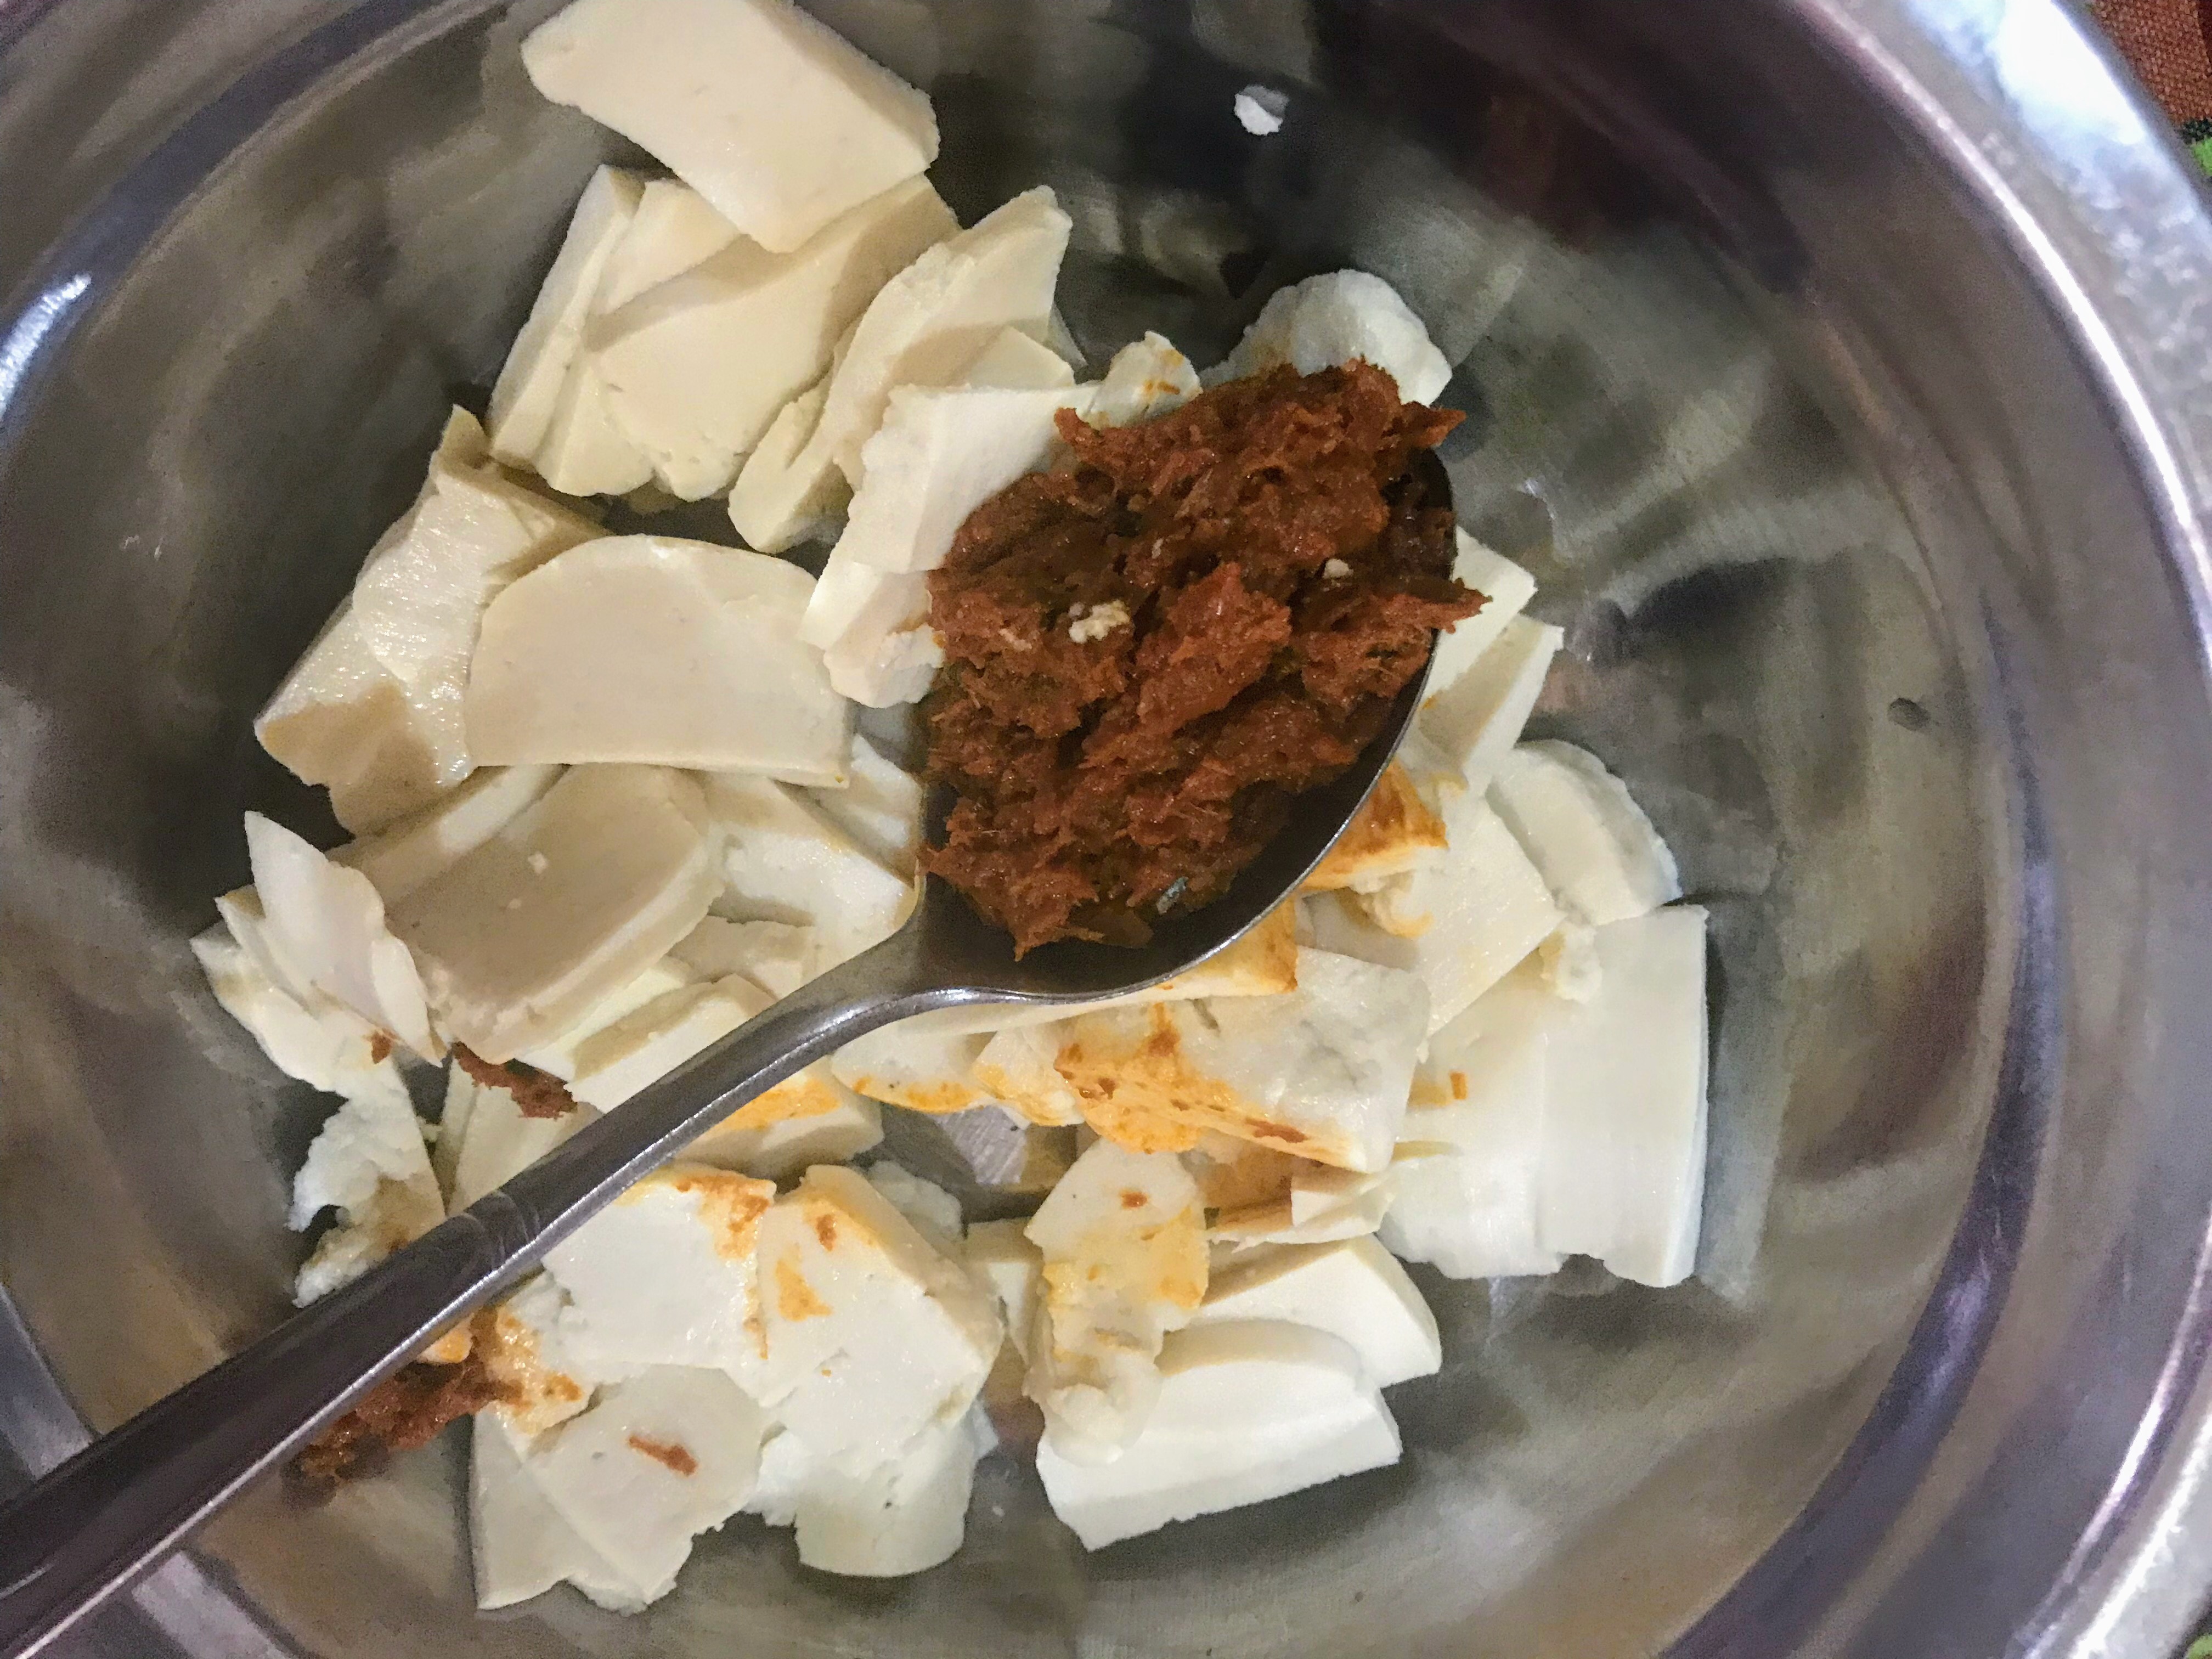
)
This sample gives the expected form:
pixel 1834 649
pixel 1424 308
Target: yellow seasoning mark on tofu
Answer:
pixel 804 1096
pixel 1386 838
pixel 1148 1097
pixel 794 1297
pixel 731 1205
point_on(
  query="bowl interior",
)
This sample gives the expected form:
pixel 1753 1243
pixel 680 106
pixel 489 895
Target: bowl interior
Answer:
pixel 1757 642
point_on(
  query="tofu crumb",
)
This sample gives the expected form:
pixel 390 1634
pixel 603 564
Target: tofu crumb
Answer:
pixel 1336 570
pixel 1097 622
pixel 539 864
pixel 1260 110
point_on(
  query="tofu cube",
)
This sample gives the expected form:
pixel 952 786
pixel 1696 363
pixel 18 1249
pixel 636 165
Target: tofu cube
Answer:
pixel 1148 378
pixel 783 860
pixel 653 651
pixel 519 1545
pixel 999 1253
pixel 880 808
pixel 1506 587
pixel 321 1043
pixel 902 1516
pixel 1248 1411
pixel 1352 1289
pixel 921 1070
pixel 874 1336
pixel 369 1163
pixel 1328 320
pixel 1476 719
pixel 1585 833
pixel 408 851
pixel 775 120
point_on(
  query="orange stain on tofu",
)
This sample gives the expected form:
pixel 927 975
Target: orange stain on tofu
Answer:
pixel 1390 831
pixel 667 1453
pixel 794 1297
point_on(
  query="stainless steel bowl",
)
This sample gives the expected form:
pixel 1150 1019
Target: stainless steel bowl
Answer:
pixel 1841 368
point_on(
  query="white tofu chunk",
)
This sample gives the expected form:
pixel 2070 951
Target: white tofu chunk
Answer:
pixel 939 454
pixel 1582 829
pixel 934 1212
pixel 1248 1411
pixel 319 1042
pixel 776 955
pixel 528 392
pixel 1477 719
pixel 408 851
pixel 1469 1207
pixel 771 118
pixel 999 1253
pixel 519 1545
pixel 1147 377
pixel 697 368
pixel 874 1336
pixel 811 1119
pixel 1323 1072
pixel 674 230
pixel 889 654
pixel 659 1459
pixel 1624 1159
pixel 664 1275
pixel 571 900
pixel 498 1140
pixel 586 451
pixel 1394 833
pixel 650 650
pixel 923 329
pixel 241 911
pixel 1123 1242
pixel 1507 586
pixel 1352 1289
pixel 1014 360
pixel 904 1517
pixel 880 808
pixel 369 1162
pixel 1325 321
pixel 645 1045
pixel 789 490
pixel 329 923
pixel 783 860
pixel 558 1055
pixel 1460 925
pixel 919 1069
pixel 374 709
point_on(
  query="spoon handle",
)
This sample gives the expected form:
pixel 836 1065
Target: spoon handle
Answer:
pixel 90 1527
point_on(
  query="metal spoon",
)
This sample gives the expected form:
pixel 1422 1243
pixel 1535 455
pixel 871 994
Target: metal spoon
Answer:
pixel 94 1525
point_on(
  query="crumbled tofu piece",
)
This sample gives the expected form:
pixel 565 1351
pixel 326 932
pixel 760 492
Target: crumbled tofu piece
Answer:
pixel 784 860
pixel 1470 1208
pixel 1248 1411
pixel 570 902
pixel 880 808
pixel 921 1070
pixel 1585 832
pixel 999 1253
pixel 408 851
pixel 1569 962
pixel 1352 1289
pixel 1147 377
pixel 558 1055
pixel 902 1516
pixel 664 1275
pixel 1260 110
pixel 1624 1158
pixel 769 115
pixel 703 671
pixel 519 1545
pixel 1328 320
pixel 1264 962
pixel 328 923
pixel 778 956
pixel 789 489
pixel 496 1138
pixel 1014 360
pixel 1394 833
pixel 922 329
pixel 1477 719
pixel 1123 1242
pixel 874 1336
pixel 811 1119
pixel 520 1341
pixel 883 670
pixel 659 1459
pixel 527 396
pixel 317 1042
pixel 1462 924
pixel 1091 624
pixel 1015 1067
pixel 369 1163
pixel 1323 1072
pixel 1507 587
pixel 698 368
